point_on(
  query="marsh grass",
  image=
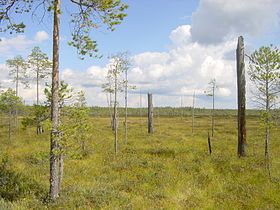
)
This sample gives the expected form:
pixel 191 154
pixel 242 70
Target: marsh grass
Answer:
pixel 171 169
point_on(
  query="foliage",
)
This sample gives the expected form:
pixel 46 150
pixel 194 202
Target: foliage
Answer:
pixel 18 70
pixel 90 14
pixel 212 87
pixel 15 185
pixel 75 127
pixel 65 94
pixel 9 101
pixel 119 63
pixel 38 115
pixel 86 15
pixel 264 72
pixel 39 63
pixel 74 123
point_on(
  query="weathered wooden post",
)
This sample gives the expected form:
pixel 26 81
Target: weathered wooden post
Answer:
pixel 150 114
pixel 241 94
pixel 209 144
pixel 193 112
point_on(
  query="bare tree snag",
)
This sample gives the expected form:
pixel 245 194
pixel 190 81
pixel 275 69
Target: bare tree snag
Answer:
pixel 209 144
pixel 193 112
pixel 241 94
pixel 150 114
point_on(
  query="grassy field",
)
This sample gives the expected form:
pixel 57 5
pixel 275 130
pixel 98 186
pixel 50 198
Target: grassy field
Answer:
pixel 171 169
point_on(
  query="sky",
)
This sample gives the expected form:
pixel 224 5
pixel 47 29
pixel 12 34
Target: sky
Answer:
pixel 176 48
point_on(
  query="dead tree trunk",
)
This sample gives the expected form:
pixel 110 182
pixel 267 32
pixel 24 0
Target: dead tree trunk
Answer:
pixel 209 144
pixel 150 114
pixel 193 113
pixel 241 94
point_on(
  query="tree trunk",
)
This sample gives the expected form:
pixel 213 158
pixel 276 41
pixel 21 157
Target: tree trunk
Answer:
pixel 213 110
pixel 115 122
pixel 267 161
pixel 60 171
pixel 17 78
pixel 109 108
pixel 182 109
pixel 125 119
pixel 209 144
pixel 150 114
pixel 16 106
pixel 193 113
pixel 10 125
pixel 140 110
pixel 39 126
pixel 37 81
pixel 267 130
pixel 241 94
pixel 55 148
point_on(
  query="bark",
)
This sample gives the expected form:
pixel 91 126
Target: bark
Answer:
pixel 17 78
pixel 213 110
pixel 10 125
pixel 150 114
pixel 193 113
pixel 16 107
pixel 125 119
pixel 182 109
pixel 110 111
pixel 37 81
pixel 60 171
pixel 54 153
pixel 209 144
pixel 241 92
pixel 115 123
pixel 267 160
pixel 267 130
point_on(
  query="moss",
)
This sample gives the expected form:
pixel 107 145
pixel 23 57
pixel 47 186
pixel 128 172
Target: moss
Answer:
pixel 171 169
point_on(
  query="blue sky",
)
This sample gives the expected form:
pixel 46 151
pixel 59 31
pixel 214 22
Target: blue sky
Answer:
pixel 146 28
pixel 176 47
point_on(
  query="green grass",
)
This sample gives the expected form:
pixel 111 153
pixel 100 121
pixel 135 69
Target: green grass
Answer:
pixel 171 169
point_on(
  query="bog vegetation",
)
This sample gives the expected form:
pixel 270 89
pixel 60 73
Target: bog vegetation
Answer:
pixel 171 169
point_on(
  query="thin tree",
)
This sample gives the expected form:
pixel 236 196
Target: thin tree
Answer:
pixel 85 17
pixel 127 87
pixel 8 103
pixel 18 71
pixel 119 64
pixel 193 112
pixel 264 72
pixel 211 92
pixel 39 63
pixel 125 98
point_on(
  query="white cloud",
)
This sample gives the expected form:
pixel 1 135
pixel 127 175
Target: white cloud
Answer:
pixel 185 68
pixel 181 35
pixel 224 92
pixel 18 43
pixel 216 20
pixel 41 36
